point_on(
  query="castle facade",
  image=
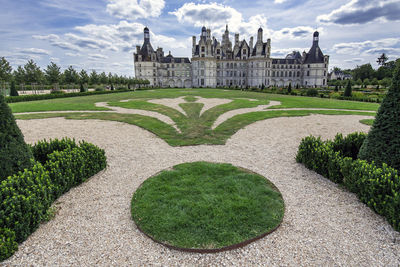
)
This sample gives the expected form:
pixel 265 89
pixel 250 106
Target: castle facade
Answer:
pixel 216 64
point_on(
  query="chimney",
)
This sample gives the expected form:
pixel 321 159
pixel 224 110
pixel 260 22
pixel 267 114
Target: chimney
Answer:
pixel 137 49
pixel 236 39
pixel 208 34
pixel 251 43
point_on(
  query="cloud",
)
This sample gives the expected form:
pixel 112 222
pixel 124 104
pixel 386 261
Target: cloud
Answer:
pixel 56 41
pixel 279 1
pixel 34 51
pixel 363 11
pixel 354 60
pixel 134 9
pixel 369 49
pixel 300 32
pixel 91 43
pixel 212 14
pixel 216 16
pixel 97 57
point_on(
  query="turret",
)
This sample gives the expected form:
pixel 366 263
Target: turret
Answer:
pixel 146 34
pixel 203 33
pixel 260 35
pixel 316 38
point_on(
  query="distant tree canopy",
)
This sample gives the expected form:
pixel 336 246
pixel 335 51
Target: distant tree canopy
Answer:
pixel 31 73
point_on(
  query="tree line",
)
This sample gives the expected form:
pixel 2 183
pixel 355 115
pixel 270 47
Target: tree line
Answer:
pixel 31 73
pixel 366 75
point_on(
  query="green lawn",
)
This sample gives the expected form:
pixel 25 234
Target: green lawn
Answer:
pixel 194 128
pixel 206 206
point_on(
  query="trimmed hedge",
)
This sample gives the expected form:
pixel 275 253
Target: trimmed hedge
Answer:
pixel 378 187
pixel 25 197
pixel 25 98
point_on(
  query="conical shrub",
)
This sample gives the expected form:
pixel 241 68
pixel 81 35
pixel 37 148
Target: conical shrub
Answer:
pixel 15 154
pixel 382 144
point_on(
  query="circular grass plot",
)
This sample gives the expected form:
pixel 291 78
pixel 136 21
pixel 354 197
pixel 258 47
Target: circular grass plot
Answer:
pixel 207 207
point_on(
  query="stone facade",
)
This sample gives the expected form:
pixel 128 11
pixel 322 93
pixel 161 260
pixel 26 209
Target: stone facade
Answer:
pixel 216 64
pixel 160 70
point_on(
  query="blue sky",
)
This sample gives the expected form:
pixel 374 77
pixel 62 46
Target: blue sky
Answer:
pixel 103 34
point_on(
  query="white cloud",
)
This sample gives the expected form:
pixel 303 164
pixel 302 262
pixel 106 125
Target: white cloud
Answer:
pixel 212 14
pixel 216 16
pixel 300 32
pixel 34 51
pixel 55 40
pixel 363 11
pixel 279 1
pixel 134 9
pixel 97 57
pixel 369 49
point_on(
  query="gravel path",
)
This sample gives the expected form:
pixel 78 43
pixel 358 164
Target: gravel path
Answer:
pixel 323 224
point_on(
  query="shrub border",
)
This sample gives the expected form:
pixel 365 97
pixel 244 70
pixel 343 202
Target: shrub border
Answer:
pixel 34 190
pixel 376 186
pixel 226 248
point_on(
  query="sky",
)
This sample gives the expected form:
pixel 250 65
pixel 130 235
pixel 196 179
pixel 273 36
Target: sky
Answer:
pixel 102 35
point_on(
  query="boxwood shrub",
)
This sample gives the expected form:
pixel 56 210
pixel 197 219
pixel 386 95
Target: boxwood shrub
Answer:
pixel 378 187
pixel 26 196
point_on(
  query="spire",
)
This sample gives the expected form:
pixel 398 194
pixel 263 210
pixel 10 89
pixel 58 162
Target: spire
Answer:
pixel 226 27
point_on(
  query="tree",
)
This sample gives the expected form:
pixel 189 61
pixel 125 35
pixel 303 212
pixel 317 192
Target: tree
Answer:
pixel 70 75
pixel 19 75
pixel 94 78
pixel 289 88
pixel 82 89
pixel 366 82
pixel 13 90
pixel 52 73
pixel 385 82
pixel 83 77
pixel 347 91
pixel 15 155
pixel 5 70
pixel 363 72
pixel 382 59
pixel 33 74
pixel 103 78
pixel 382 144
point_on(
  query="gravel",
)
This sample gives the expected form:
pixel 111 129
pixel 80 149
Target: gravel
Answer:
pixel 323 224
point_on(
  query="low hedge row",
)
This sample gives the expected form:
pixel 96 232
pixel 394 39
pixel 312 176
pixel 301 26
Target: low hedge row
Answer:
pixel 25 98
pixel 378 187
pixel 25 197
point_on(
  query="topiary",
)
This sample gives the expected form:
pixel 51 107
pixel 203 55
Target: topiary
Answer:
pixel 13 90
pixel 382 144
pixel 15 154
pixel 347 91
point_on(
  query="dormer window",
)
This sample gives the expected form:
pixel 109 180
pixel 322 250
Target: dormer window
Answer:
pixel 218 51
pixel 203 49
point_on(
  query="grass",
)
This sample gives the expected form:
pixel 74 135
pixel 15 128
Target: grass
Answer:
pixel 195 129
pixel 368 122
pixel 206 205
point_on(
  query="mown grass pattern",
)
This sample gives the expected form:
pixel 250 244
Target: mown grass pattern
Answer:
pixel 206 205
pixel 196 129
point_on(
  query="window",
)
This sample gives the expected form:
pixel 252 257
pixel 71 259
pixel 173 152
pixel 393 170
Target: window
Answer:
pixel 244 51
pixel 203 49
pixel 298 74
pixel 218 51
pixel 202 72
pixel 308 66
pixel 308 73
pixel 202 81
